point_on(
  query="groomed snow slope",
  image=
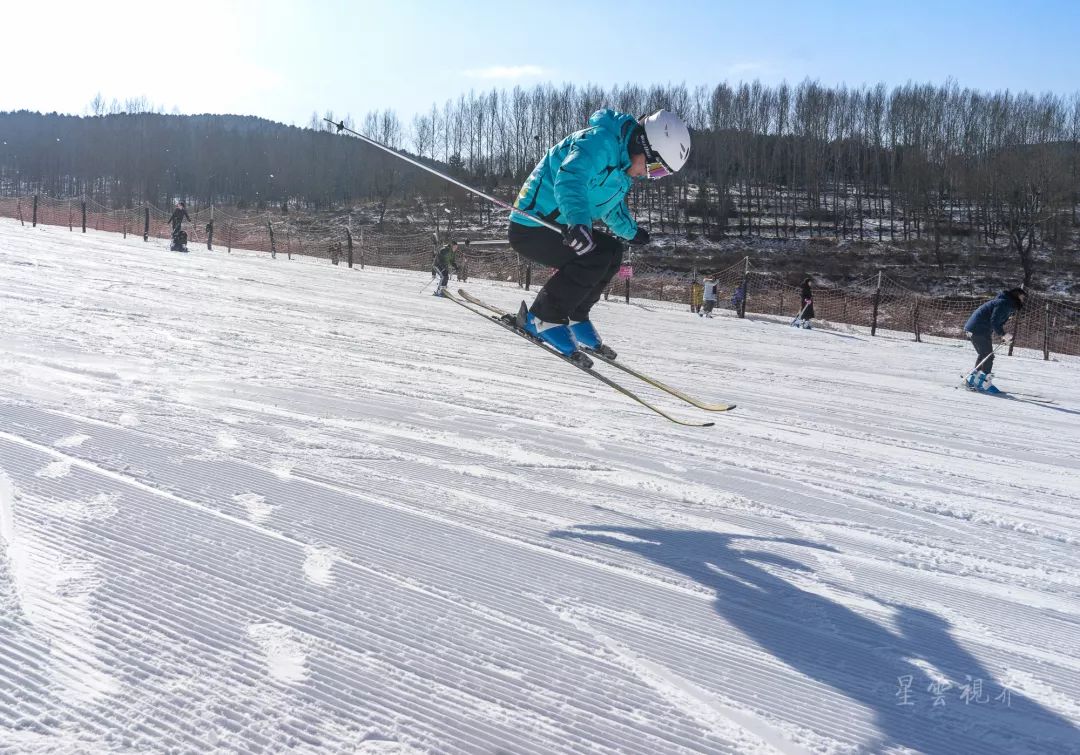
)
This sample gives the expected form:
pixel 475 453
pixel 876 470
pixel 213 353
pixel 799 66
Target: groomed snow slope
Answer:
pixel 255 505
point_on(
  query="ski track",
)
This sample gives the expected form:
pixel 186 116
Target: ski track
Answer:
pixel 254 505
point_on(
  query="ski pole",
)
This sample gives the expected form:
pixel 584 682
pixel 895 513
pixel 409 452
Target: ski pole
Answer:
pixel 340 125
pixel 427 284
pixel 801 312
pixel 984 360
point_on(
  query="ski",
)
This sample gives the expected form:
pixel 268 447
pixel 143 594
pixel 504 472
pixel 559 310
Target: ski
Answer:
pixel 608 356
pixel 582 363
pixel 1025 397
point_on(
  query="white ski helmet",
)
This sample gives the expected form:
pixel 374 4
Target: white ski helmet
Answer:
pixel 668 143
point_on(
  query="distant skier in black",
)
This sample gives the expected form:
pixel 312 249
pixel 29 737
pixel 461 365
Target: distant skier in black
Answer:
pixel 986 322
pixel 179 237
pixel 806 305
pixel 445 259
pixel 462 260
pixel 738 297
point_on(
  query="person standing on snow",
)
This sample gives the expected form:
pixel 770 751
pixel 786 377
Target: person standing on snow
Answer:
pixel 584 178
pixel 445 259
pixel 179 215
pixel 806 305
pixel 697 296
pixel 986 322
pixel 709 295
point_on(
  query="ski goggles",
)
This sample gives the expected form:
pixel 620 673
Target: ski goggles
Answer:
pixel 656 170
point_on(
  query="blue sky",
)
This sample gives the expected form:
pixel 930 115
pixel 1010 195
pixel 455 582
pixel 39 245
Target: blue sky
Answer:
pixel 285 60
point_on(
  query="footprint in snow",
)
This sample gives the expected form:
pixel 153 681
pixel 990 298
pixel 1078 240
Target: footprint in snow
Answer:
pixel 227 441
pixel 258 510
pixel 283 651
pixel 55 470
pixel 72 441
pixel 319 564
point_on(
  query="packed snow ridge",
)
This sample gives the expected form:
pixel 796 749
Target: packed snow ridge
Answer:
pixel 256 506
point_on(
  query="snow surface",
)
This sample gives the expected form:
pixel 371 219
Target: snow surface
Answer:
pixel 255 505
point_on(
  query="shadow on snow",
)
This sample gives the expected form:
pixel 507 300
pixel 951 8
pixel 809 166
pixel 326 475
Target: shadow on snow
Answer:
pixel 861 659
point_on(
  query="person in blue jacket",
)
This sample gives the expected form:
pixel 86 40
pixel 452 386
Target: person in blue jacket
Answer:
pixel 986 322
pixel 584 178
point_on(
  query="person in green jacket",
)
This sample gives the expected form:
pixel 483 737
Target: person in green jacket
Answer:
pixel 584 178
pixel 445 259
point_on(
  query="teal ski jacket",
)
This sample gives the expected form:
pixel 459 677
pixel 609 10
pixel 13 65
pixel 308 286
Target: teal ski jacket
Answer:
pixel 583 178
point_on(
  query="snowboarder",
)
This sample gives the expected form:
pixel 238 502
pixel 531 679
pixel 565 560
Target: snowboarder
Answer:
pixel 806 305
pixel 709 295
pixel 583 178
pixel 445 259
pixel 697 296
pixel 179 237
pixel 986 322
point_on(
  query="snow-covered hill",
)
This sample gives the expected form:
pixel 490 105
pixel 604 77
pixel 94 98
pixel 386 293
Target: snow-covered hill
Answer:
pixel 254 505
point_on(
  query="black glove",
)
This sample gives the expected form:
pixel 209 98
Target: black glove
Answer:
pixel 579 238
pixel 641 237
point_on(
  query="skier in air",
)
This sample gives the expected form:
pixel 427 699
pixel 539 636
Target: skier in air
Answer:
pixel 986 322
pixel 806 305
pixel 585 178
pixel 179 237
pixel 445 259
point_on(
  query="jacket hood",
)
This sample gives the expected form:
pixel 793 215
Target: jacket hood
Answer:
pixel 620 125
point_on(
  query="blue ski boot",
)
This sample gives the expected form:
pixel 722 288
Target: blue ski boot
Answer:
pixel 556 335
pixel 980 381
pixel 587 338
pixel 585 334
pixel 988 387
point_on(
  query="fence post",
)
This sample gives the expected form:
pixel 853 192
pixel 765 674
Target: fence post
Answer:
pixel 146 223
pixel 210 230
pixel 35 211
pixel 877 303
pixel 273 246
pixel 745 287
pixel 627 290
pixel 1016 331
pixel 915 320
pixel 1046 332
pixel 528 276
pixel 84 216
pixel 19 205
pixel 71 222
pixel 348 241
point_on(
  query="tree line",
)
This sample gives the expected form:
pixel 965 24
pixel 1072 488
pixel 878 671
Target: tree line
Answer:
pixel 914 161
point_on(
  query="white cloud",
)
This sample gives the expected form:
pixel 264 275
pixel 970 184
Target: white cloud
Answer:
pixel 506 72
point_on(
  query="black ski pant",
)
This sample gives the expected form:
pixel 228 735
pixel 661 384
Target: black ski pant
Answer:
pixel 984 346
pixel 443 274
pixel 579 280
